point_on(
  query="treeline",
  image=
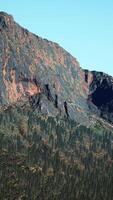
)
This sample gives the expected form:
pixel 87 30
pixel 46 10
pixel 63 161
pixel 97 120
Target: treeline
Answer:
pixel 47 158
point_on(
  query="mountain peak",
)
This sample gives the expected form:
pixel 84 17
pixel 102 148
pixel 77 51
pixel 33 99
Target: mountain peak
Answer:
pixel 6 15
pixel 5 20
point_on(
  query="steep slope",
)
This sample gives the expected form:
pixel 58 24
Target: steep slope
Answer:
pixel 49 158
pixel 101 94
pixel 44 74
pixel 30 65
pixel 44 153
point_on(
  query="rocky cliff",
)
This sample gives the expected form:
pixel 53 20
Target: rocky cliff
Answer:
pixel 44 74
pixel 101 94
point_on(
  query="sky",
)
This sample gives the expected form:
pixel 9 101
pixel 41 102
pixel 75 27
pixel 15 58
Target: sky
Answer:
pixel 83 27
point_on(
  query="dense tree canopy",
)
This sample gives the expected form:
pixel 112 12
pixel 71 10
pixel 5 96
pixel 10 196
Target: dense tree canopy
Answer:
pixel 47 158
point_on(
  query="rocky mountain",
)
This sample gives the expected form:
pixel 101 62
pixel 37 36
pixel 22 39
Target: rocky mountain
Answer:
pixel 56 121
pixel 42 73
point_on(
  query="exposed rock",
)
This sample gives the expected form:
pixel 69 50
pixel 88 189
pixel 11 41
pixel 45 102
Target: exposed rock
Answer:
pixel 2 23
pixel 31 66
pixel 101 94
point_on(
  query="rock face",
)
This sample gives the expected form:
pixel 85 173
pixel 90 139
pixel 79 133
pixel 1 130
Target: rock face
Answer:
pixel 101 94
pixel 49 77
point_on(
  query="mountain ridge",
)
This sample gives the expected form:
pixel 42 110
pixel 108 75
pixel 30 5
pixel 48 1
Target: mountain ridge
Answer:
pixel 56 123
pixel 45 74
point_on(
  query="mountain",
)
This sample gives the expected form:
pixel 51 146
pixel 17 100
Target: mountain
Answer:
pixel 56 121
pixel 42 72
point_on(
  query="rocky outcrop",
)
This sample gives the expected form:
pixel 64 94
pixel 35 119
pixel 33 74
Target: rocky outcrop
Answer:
pixel 30 65
pixel 101 94
pixel 46 75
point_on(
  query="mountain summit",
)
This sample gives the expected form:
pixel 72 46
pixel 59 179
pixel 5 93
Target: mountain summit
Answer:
pixel 42 73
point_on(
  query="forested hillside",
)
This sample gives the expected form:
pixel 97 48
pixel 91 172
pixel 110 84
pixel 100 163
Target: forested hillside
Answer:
pixel 48 158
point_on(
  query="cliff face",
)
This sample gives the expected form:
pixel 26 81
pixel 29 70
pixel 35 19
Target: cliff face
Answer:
pixel 101 94
pixel 43 73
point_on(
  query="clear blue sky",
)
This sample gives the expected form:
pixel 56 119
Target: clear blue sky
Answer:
pixel 83 27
